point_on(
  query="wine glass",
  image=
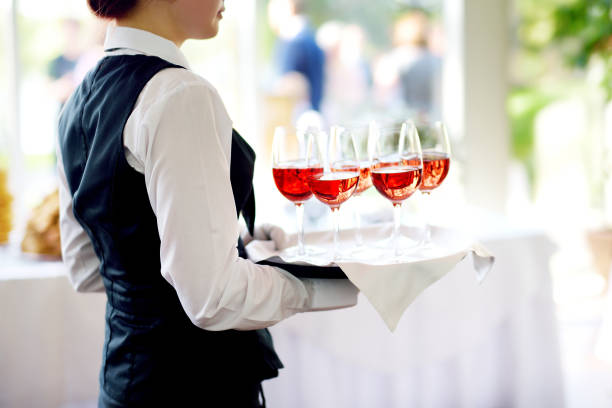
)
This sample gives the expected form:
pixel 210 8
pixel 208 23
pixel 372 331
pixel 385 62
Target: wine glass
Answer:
pixel 397 171
pixel 335 185
pixel 436 164
pixel 362 137
pixel 292 167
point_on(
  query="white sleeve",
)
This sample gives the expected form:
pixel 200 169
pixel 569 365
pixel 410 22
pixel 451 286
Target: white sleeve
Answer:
pixel 187 175
pixel 77 250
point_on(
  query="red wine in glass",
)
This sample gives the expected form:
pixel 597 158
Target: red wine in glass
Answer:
pixel 292 166
pixel 397 170
pixel 435 169
pixel 363 138
pixel 365 181
pixel 390 161
pixel 334 188
pixel 396 183
pixel 436 163
pixel 291 179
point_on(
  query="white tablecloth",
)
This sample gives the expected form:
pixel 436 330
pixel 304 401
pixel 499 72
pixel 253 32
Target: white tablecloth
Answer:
pixel 50 336
pixel 460 344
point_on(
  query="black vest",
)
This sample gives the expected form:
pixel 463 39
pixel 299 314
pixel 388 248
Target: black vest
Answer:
pixel 152 351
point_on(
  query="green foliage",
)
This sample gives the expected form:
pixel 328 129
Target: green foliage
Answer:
pixel 577 29
pixel 584 29
pixel 574 32
pixel 586 26
pixel 523 105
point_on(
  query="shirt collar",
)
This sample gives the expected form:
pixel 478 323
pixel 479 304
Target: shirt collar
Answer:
pixel 145 42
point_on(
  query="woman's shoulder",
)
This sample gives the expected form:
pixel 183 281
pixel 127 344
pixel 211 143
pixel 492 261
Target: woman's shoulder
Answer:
pixel 170 81
pixel 172 85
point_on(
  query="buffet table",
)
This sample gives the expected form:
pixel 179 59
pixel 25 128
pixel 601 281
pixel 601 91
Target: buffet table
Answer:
pixel 460 344
pixel 51 342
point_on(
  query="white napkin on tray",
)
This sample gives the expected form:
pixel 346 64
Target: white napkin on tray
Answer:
pixel 390 284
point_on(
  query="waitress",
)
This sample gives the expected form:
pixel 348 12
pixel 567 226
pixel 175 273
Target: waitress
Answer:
pixel 152 179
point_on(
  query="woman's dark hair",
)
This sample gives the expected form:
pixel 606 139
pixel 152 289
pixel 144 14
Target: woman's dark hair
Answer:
pixel 111 8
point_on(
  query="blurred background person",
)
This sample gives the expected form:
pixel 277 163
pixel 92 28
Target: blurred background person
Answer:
pixel 410 74
pixel 298 85
pixel 297 52
pixel 419 69
pixel 347 72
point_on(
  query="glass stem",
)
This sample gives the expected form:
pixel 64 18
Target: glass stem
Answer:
pixel 336 221
pixel 426 218
pixel 397 217
pixel 358 235
pixel 299 212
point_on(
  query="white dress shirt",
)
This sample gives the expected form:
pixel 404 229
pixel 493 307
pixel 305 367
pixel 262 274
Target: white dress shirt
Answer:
pixel 179 136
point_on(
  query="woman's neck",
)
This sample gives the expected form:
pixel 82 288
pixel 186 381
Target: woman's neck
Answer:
pixel 154 19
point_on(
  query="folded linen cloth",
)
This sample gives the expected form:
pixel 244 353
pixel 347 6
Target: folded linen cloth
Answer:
pixel 391 284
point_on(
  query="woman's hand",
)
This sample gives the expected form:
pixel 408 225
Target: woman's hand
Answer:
pixel 267 232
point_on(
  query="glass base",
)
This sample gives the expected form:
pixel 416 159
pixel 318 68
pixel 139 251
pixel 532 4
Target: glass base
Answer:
pixel 426 244
pixel 361 252
pixel 428 247
pixel 291 254
pixel 342 254
pixel 405 244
